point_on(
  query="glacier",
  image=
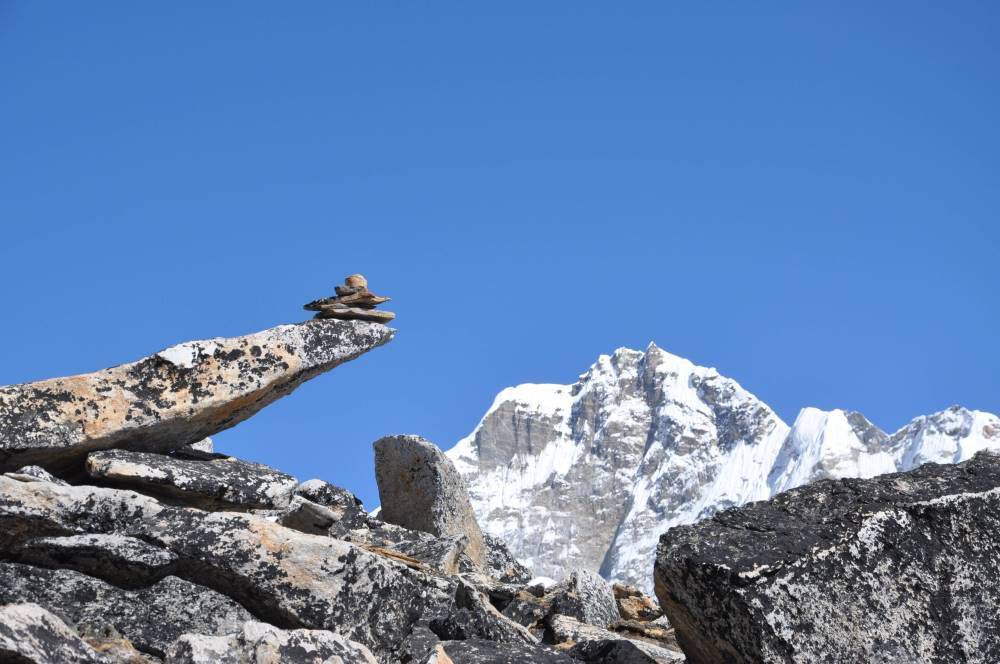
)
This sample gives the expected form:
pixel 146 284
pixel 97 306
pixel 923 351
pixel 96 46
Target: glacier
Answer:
pixel 589 475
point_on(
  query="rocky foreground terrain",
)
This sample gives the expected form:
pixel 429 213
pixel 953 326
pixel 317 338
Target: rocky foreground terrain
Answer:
pixel 125 538
pixel 589 475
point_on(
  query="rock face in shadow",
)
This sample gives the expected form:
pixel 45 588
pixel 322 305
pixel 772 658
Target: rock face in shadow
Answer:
pixel 420 489
pixel 173 398
pixel 898 568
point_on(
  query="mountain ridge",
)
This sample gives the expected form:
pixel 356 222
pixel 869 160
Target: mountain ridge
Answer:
pixel 590 474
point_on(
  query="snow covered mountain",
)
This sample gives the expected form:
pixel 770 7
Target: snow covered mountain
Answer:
pixel 590 474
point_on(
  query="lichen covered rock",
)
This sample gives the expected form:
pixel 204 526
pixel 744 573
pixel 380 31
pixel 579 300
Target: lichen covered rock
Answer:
pixel 173 398
pixel 898 568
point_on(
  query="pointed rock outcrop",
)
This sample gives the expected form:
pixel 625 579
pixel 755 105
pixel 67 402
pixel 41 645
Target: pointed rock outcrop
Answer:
pixel 420 489
pixel 897 568
pixel 173 398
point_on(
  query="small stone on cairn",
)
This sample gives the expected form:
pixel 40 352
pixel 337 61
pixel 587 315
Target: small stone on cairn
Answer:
pixel 353 302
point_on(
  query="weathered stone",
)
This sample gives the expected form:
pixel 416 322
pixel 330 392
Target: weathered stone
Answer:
pixel 588 598
pixel 898 568
pixel 473 617
pixel 151 618
pixel 600 646
pixel 285 577
pixel 481 651
pixel 438 553
pixel 501 563
pixel 202 446
pixel 261 643
pixel 125 561
pixel 420 489
pixel 106 640
pixel 353 313
pixel 527 609
pixel 31 635
pixel 174 398
pixel 306 516
pixel 634 605
pixel 356 281
pixel 348 509
pixel 196 478
pixel 34 474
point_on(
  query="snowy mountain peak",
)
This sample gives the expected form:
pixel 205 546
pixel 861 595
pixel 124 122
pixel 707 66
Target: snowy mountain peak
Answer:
pixel 589 474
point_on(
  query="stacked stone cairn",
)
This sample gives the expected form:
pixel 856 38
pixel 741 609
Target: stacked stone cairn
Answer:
pixel 353 302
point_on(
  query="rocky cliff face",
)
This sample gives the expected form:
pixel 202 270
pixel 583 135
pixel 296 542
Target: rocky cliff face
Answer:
pixel 126 543
pixel 898 568
pixel 590 474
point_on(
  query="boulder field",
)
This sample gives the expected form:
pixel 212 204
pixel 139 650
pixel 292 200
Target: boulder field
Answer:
pixel 125 538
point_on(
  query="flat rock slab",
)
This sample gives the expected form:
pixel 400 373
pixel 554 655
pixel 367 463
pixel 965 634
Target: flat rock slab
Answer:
pixel 261 643
pixel 420 489
pixel 173 398
pixel 201 479
pixel 31 635
pixel 898 568
pixel 151 618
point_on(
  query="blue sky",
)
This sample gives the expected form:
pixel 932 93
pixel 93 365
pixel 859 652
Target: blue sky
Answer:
pixel 805 197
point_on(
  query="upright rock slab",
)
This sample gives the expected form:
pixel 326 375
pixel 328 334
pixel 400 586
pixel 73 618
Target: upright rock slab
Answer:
pixel 421 490
pixel 898 568
pixel 175 397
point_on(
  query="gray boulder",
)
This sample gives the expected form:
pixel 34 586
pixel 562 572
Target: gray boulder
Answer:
pixel 420 489
pixel 588 598
pixel 443 554
pixel 196 478
pixel 31 635
pixel 346 507
pixel 501 564
pixel 588 643
pixel 261 643
pixel 151 618
pixel 898 568
pixel 473 617
pixel 173 398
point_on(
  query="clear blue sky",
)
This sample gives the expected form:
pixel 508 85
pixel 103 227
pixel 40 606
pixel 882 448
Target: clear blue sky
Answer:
pixel 807 198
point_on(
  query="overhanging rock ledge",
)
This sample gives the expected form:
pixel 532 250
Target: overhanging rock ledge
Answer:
pixel 172 398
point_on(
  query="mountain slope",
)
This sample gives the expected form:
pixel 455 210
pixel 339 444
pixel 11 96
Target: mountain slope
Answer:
pixel 590 474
